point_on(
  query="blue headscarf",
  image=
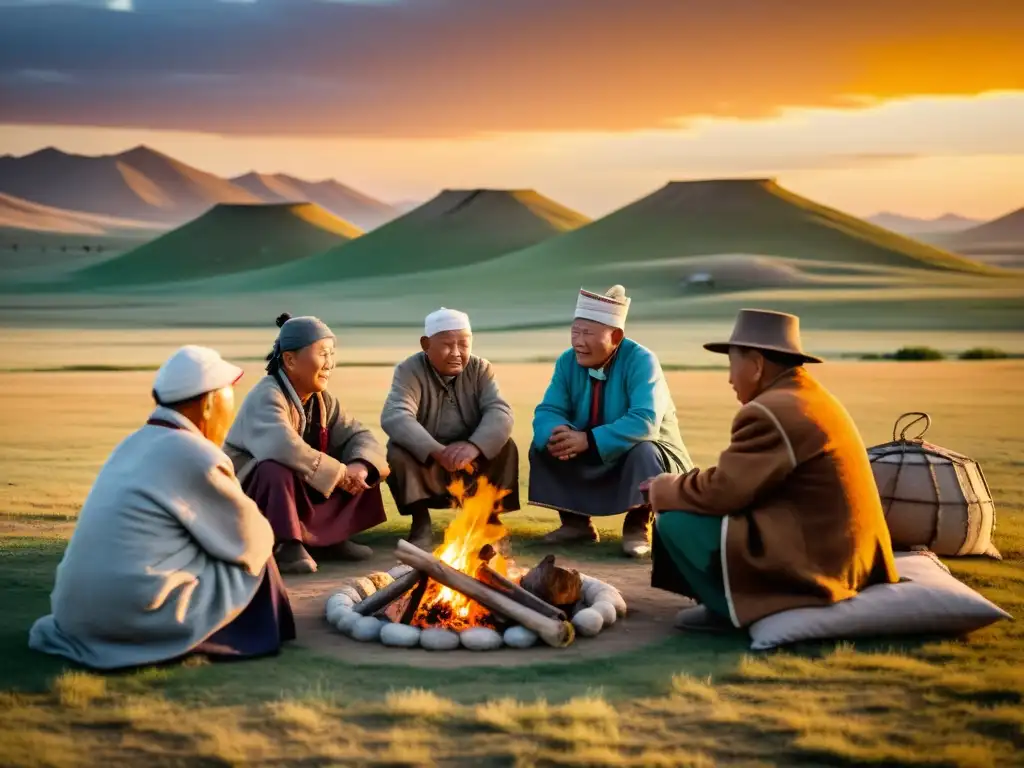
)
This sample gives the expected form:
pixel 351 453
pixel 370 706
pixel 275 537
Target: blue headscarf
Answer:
pixel 296 333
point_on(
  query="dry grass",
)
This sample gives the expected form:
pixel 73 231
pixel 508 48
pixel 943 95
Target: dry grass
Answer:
pixel 417 704
pixel 79 689
pixel 795 714
pixel 937 703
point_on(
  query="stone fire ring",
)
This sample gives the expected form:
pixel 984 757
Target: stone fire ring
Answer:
pixel 601 606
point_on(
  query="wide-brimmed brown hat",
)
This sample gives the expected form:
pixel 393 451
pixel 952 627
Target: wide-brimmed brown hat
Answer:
pixel 767 330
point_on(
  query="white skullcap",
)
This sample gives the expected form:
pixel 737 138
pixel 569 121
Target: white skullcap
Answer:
pixel 193 371
pixel 609 309
pixel 445 319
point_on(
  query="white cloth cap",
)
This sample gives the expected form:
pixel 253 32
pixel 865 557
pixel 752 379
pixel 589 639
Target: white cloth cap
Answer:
pixel 445 319
pixel 193 371
pixel 610 309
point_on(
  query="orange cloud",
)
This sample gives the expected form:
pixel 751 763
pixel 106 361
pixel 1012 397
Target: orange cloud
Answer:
pixel 461 67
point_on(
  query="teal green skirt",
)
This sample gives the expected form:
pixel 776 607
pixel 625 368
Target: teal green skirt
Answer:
pixel 686 552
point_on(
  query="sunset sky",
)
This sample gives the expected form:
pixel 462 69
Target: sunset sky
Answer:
pixel 903 105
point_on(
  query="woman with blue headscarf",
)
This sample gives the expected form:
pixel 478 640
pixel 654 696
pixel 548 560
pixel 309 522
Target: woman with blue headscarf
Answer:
pixel 313 469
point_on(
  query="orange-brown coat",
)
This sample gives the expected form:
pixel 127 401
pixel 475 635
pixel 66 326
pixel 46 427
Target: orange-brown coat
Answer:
pixel 802 522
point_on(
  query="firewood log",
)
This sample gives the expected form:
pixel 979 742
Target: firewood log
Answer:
pixel 384 597
pixel 553 632
pixel 493 579
pixel 555 586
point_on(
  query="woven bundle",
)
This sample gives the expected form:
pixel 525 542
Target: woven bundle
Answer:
pixel 933 497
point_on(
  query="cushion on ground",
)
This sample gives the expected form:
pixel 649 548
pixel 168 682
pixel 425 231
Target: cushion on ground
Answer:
pixel 928 600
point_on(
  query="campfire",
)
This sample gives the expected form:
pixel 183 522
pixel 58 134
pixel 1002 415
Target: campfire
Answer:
pixel 470 592
pixel 472 535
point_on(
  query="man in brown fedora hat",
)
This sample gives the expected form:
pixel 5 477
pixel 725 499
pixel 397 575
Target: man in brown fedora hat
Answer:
pixel 790 516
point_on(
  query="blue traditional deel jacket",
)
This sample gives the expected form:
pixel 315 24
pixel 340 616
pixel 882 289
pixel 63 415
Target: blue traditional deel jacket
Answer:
pixel 636 404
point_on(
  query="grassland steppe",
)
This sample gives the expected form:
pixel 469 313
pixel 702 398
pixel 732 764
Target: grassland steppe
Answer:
pixel 683 700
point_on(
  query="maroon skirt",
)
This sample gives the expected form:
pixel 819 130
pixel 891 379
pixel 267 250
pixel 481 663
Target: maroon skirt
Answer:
pixel 299 513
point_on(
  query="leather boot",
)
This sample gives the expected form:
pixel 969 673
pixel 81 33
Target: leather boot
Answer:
pixel 421 534
pixel 351 550
pixel 636 532
pixel 292 557
pixel 574 529
pixel 700 619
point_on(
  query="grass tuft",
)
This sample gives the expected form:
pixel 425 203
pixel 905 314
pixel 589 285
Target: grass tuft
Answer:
pixel 79 689
pixel 418 703
pixel 688 687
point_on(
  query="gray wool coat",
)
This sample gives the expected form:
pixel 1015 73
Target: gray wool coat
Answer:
pixel 269 427
pixel 167 550
pixel 413 409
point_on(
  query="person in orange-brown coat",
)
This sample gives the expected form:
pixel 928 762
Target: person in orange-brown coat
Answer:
pixel 790 517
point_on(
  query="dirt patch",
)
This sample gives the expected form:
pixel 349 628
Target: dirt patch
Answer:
pixel 649 620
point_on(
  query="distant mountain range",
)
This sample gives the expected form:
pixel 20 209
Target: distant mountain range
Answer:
pixel 353 206
pixel 1006 231
pixel 148 186
pixel 908 225
pixel 1009 228
pixel 19 214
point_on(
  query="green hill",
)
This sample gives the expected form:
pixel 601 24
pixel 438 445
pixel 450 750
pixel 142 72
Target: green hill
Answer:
pixel 759 242
pixel 224 240
pixel 454 229
pixel 733 216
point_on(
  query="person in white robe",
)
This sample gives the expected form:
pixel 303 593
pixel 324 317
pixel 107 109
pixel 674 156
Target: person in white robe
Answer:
pixel 169 556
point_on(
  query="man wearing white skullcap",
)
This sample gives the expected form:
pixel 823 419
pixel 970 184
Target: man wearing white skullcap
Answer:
pixel 445 417
pixel 606 424
pixel 178 552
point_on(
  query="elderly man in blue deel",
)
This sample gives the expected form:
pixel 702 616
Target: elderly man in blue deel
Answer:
pixel 607 423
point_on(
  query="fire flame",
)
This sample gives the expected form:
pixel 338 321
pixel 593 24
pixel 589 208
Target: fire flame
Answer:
pixel 476 525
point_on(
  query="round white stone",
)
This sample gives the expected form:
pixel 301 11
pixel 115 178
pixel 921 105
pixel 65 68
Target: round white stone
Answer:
pixel 334 611
pixel 346 621
pixel 339 599
pixel 351 593
pixel 520 637
pixel 439 640
pixel 366 629
pixel 591 587
pixel 611 595
pixel 480 639
pixel 399 571
pixel 400 635
pixel 588 622
pixel 607 611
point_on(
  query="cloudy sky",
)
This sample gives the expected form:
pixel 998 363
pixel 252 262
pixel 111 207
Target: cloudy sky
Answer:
pixel 881 104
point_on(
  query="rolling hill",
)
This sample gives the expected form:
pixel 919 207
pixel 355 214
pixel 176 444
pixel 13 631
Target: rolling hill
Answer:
pixel 19 214
pixel 138 184
pixel 700 218
pixel 226 239
pixel 362 210
pixel 455 229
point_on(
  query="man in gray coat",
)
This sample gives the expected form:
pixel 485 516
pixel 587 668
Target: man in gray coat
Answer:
pixel 445 417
